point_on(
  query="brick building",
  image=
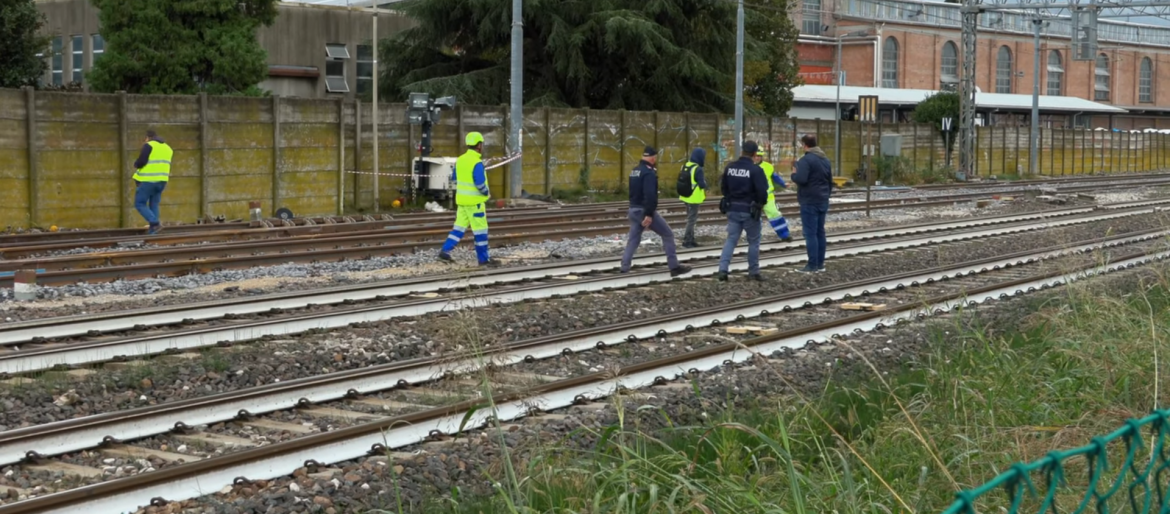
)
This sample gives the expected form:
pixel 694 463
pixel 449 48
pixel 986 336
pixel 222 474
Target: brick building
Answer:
pixel 909 44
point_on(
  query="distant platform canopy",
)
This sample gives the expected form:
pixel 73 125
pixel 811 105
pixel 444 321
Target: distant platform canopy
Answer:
pixel 899 98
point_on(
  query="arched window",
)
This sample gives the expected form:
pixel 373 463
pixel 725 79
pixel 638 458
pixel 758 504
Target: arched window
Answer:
pixel 1055 74
pixel 890 63
pixel 1101 85
pixel 1003 70
pixel 1146 81
pixel 950 64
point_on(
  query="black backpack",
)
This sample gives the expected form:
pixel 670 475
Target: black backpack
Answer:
pixel 684 182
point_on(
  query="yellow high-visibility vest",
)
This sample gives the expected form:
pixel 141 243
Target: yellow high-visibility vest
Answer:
pixel 158 168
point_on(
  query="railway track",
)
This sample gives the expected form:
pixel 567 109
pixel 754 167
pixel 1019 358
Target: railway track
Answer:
pixel 69 341
pixel 207 251
pixel 367 406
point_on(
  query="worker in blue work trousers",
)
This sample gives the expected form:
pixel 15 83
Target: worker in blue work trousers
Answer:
pixel 692 190
pixel 152 172
pixel 744 192
pixel 471 193
pixel 644 214
pixel 779 224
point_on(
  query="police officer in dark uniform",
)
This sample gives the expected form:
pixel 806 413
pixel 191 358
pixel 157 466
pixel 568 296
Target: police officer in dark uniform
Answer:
pixel 745 189
pixel 644 214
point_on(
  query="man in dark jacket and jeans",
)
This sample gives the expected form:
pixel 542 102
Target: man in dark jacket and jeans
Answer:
pixel 814 176
pixel 745 189
pixel 644 214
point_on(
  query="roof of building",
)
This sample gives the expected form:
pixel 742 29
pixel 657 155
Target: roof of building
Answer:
pixel 849 94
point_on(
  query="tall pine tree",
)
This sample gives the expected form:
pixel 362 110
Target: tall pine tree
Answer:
pixel 670 55
pixel 19 44
pixel 182 46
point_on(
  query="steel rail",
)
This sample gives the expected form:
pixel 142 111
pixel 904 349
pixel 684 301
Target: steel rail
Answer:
pixel 70 354
pixel 106 322
pixel 198 478
pixel 394 235
pixel 92 431
pixel 137 234
pixel 375 232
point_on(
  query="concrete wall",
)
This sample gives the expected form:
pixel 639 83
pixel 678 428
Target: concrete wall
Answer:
pixel 66 159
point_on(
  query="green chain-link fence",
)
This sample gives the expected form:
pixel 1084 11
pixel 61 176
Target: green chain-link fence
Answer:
pixel 1141 479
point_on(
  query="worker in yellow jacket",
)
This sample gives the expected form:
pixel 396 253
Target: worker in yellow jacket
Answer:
pixel 152 172
pixel 779 224
pixel 471 195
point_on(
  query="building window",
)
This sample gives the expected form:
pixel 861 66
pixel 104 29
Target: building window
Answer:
pixel 78 55
pixel 99 47
pixel 1003 70
pixel 890 63
pixel 950 65
pixel 1055 74
pixel 811 18
pixel 58 66
pixel 336 55
pixel 365 69
pixel 1146 82
pixel 1101 86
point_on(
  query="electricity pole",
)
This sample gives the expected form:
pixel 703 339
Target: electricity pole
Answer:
pixel 374 111
pixel 970 13
pixel 739 80
pixel 516 169
pixel 1034 144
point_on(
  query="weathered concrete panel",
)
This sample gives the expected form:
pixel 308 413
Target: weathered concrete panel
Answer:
pixel 13 104
pixel 239 110
pixel 180 199
pixel 240 135
pixel 235 162
pixel 13 195
pixel 567 134
pixel 13 163
pixel 83 217
pixel 157 109
pixel 533 135
pixel 241 187
pixel 604 158
pixel 77 108
pixel 315 135
pixel 298 110
pixel 14 134
pixel 77 193
pixel 67 165
pixel 69 135
pixel 307 184
pixel 236 209
pixel 309 159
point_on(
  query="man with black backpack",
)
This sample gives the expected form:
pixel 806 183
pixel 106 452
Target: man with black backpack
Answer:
pixel 692 190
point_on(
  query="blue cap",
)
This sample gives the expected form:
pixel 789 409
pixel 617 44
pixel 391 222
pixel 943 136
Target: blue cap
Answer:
pixel 750 148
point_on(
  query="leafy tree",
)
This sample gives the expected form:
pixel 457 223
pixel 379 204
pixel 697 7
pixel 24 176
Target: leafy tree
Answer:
pixel 182 46
pixel 19 43
pixel 932 110
pixel 670 55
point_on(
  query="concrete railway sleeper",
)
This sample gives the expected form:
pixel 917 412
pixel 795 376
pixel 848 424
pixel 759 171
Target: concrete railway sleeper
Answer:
pixel 189 480
pixel 47 355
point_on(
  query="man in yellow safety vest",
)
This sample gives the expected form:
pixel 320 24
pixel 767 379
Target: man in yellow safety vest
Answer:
pixel 779 224
pixel 471 193
pixel 153 172
pixel 692 173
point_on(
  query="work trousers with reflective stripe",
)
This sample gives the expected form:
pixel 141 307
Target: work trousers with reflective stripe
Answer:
pixel 779 224
pixel 473 216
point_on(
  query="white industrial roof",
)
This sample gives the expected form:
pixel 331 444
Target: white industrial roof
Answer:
pixel 849 94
